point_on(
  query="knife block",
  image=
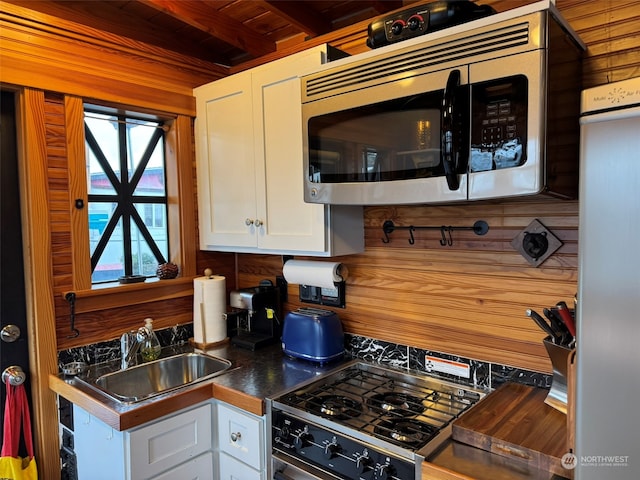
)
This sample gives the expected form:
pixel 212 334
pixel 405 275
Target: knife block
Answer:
pixel 560 357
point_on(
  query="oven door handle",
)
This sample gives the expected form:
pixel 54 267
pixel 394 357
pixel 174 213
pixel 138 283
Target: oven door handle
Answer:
pixel 449 140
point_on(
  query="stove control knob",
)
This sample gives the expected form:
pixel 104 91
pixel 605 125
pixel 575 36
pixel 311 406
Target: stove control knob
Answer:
pixel 385 471
pixel 303 439
pixel 414 22
pixel 397 27
pixel 363 461
pixel 332 449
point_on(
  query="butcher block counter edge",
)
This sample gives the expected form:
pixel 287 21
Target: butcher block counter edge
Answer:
pixel 241 400
pixel 436 472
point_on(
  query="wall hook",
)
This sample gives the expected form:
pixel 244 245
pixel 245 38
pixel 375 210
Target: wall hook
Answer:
pixel 71 298
pixel 387 227
pixel 446 240
pixel 411 239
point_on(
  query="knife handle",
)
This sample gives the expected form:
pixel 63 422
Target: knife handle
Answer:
pixel 542 323
pixel 558 325
pixel 567 318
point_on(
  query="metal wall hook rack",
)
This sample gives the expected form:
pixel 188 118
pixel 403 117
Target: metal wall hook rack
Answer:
pixel 479 228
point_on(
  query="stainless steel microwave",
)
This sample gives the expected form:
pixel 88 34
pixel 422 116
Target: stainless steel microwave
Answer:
pixel 484 110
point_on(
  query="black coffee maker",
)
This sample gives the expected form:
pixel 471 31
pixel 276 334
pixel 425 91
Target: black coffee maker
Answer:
pixel 255 319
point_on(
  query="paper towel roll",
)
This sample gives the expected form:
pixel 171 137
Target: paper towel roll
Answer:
pixel 317 274
pixel 209 309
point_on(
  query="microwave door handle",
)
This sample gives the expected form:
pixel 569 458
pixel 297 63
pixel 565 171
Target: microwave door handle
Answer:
pixel 449 153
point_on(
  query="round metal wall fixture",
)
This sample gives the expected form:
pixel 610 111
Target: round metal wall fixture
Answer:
pixel 536 243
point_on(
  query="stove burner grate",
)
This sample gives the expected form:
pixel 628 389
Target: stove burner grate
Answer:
pixel 405 431
pixel 335 406
pixel 396 403
pixel 361 397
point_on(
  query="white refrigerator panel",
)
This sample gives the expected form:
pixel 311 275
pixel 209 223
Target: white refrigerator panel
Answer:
pixel 608 343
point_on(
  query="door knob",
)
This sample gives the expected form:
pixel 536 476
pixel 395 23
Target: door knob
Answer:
pixel 14 375
pixel 258 223
pixel 248 222
pixel 10 333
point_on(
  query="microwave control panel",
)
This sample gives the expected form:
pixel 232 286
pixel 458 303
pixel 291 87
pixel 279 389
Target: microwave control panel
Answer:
pixel 498 124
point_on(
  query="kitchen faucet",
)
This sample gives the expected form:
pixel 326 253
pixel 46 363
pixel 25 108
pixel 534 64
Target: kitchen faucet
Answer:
pixel 130 344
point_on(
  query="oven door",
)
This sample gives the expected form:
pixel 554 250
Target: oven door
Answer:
pixel 290 469
pixel 398 142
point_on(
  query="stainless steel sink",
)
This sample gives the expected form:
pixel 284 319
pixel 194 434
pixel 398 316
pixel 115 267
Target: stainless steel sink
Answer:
pixel 160 376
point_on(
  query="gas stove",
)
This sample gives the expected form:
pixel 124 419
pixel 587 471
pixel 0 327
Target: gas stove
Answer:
pixel 364 422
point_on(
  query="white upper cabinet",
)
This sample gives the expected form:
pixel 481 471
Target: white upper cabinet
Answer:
pixel 250 170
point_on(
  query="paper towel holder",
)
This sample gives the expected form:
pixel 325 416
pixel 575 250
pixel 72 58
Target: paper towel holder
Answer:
pixel 332 297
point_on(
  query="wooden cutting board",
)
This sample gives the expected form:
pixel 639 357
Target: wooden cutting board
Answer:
pixel 515 422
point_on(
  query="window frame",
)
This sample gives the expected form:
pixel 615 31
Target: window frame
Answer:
pixel 126 211
pixel 181 220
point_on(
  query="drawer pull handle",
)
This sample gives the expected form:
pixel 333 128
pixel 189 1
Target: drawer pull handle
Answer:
pixel 235 436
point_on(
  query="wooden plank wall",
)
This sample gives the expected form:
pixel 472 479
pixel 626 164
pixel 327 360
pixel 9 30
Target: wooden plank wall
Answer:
pixel 470 299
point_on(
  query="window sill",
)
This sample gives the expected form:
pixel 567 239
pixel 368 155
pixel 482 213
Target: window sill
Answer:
pixel 116 295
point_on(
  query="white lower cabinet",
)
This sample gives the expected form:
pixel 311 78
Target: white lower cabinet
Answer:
pixel 199 468
pixel 241 443
pixel 232 469
pixel 179 445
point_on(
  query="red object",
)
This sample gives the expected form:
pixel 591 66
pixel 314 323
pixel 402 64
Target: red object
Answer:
pixel 567 317
pixel 16 409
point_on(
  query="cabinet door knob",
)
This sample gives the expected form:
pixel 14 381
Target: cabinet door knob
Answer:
pixel 248 222
pixel 235 436
pixel 258 223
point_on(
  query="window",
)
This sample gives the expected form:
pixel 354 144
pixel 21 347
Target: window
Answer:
pixel 127 194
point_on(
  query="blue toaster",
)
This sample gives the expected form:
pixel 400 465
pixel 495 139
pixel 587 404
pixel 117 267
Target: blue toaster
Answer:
pixel 313 334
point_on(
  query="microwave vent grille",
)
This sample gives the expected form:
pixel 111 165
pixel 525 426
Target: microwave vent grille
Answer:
pixel 417 60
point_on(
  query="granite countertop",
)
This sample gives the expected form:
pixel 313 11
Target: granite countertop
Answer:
pixel 252 377
pixel 266 372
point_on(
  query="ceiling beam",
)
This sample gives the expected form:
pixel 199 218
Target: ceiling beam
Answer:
pixel 300 16
pixel 203 16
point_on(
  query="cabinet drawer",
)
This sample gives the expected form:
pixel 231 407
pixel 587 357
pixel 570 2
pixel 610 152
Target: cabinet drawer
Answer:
pixel 157 447
pixel 241 435
pixel 232 469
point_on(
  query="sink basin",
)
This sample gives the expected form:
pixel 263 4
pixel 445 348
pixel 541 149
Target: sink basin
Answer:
pixel 160 376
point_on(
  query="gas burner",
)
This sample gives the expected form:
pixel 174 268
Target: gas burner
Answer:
pixel 397 403
pixel 406 431
pixel 335 406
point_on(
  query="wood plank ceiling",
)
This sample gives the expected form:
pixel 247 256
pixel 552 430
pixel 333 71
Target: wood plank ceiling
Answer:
pixel 225 32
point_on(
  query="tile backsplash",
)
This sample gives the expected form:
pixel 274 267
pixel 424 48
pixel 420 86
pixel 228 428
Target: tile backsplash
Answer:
pixel 110 350
pixel 449 367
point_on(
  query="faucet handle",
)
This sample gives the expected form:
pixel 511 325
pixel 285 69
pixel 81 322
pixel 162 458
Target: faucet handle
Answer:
pixel 143 334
